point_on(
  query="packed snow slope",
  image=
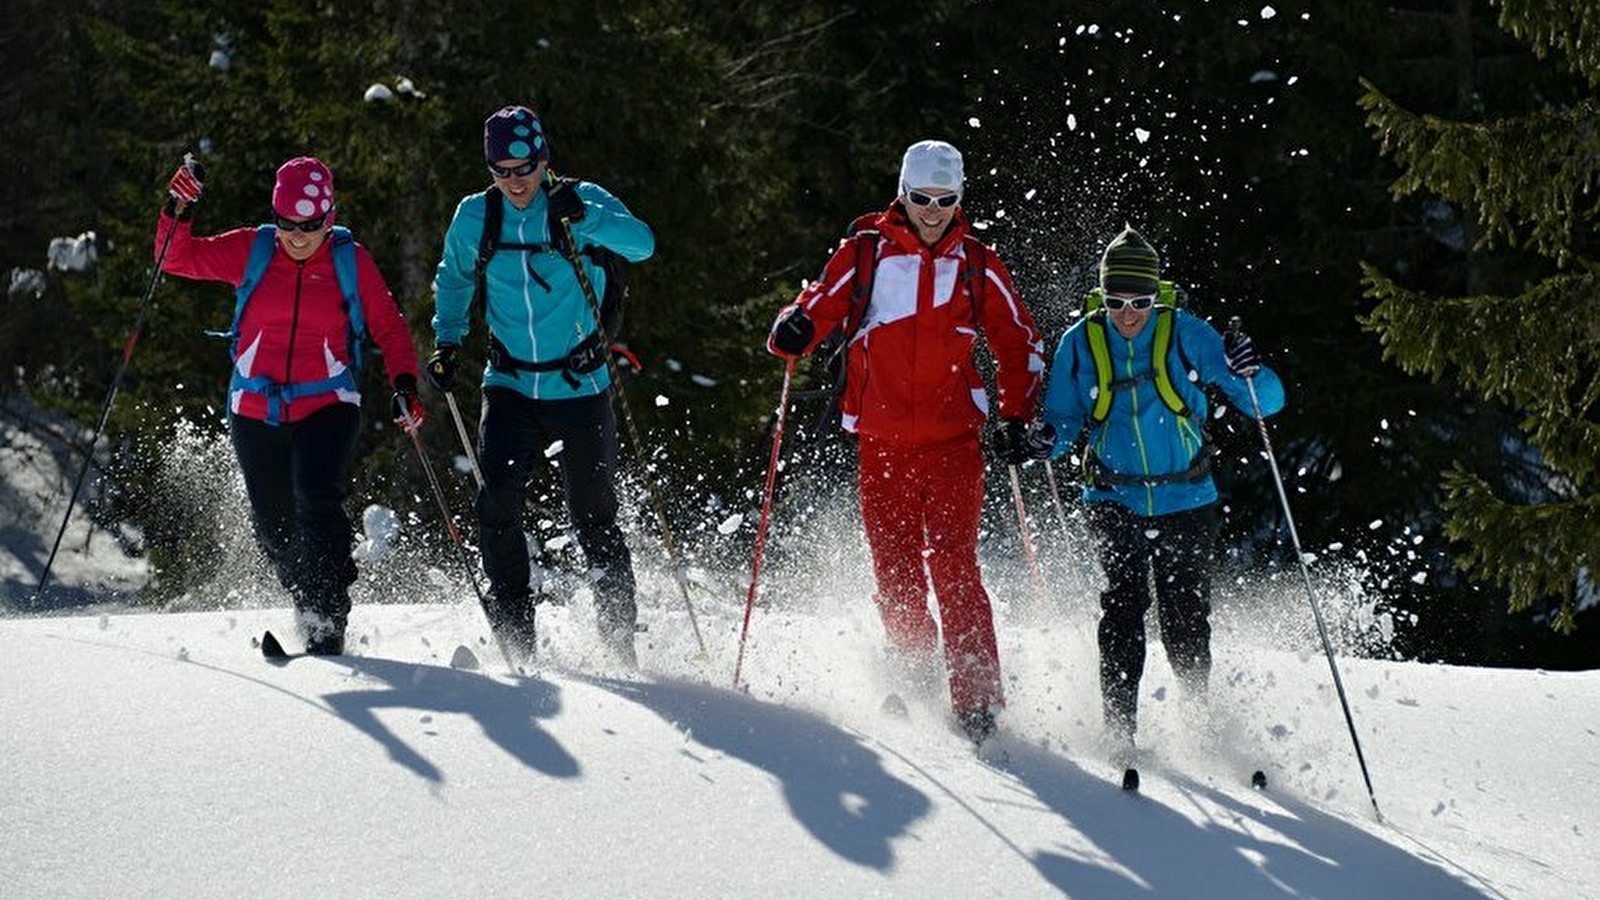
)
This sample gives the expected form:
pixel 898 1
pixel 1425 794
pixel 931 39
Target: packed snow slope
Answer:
pixel 158 755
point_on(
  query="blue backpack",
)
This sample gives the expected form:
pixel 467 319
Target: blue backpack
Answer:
pixel 343 248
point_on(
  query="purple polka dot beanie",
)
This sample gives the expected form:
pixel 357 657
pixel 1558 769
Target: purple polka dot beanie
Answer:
pixel 304 189
pixel 514 132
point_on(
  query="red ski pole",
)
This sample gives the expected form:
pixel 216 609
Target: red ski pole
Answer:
pixel 766 513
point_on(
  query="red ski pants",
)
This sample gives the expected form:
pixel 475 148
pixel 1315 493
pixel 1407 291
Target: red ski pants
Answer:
pixel 920 505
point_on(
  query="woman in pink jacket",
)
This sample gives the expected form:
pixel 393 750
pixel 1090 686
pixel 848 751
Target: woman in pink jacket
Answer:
pixel 306 295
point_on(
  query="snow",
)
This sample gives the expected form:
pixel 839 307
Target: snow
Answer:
pixel 159 755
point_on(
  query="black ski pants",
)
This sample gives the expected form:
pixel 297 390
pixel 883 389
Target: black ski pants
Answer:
pixel 515 433
pixel 1177 550
pixel 295 475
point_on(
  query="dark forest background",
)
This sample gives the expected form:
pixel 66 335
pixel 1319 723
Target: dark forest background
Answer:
pixel 748 133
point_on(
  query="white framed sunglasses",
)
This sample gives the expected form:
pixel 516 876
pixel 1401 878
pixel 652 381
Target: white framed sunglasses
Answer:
pixel 1142 301
pixel 945 201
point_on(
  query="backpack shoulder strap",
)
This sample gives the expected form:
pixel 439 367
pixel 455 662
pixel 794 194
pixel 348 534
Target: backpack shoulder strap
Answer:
pixel 344 267
pixel 1094 329
pixel 1159 348
pixel 977 271
pixel 256 266
pixel 488 240
pixel 866 242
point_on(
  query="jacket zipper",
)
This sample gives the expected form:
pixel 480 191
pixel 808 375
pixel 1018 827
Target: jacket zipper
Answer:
pixel 1138 436
pixel 294 328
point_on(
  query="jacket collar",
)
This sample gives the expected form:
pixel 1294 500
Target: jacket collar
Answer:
pixel 896 225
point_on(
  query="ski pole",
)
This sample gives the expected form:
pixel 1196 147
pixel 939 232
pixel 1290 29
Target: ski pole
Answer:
pixel 766 511
pixel 1027 535
pixel 466 443
pixel 1305 573
pixel 111 396
pixel 1055 498
pixel 412 427
pixel 667 537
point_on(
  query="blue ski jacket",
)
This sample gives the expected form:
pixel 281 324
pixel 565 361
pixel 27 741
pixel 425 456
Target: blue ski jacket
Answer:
pixel 535 306
pixel 1141 437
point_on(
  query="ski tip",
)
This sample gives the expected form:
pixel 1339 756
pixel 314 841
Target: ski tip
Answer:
pixel 1130 779
pixel 270 648
pixel 1258 780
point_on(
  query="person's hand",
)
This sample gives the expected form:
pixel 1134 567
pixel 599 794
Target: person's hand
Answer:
pixel 408 412
pixel 442 368
pixel 1015 441
pixel 1241 352
pixel 565 202
pixel 185 188
pixel 791 334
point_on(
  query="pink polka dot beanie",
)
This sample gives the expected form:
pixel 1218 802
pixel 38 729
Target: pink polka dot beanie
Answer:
pixel 304 189
pixel 514 132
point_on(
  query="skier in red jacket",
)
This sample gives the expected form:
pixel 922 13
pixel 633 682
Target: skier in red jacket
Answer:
pixel 913 287
pixel 294 408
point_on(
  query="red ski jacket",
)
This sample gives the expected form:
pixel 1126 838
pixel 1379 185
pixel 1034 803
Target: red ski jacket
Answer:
pixel 295 328
pixel 910 376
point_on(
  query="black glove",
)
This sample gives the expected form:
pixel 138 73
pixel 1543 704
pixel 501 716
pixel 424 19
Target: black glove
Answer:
pixel 442 368
pixel 406 404
pixel 1015 441
pixel 1241 352
pixel 565 202
pixel 791 334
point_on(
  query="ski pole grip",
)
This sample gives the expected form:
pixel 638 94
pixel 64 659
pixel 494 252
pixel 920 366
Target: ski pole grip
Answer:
pixel 1234 324
pixel 195 166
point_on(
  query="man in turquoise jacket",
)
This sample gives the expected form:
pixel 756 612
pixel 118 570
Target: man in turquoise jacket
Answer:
pixel 1132 373
pixel 545 388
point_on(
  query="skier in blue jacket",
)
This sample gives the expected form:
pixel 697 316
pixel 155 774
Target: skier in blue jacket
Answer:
pixel 1132 373
pixel 545 388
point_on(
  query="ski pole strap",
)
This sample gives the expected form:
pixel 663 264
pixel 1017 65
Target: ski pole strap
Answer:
pixel 1098 474
pixel 587 356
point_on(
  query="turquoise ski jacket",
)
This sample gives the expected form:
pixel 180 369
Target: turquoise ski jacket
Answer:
pixel 535 305
pixel 1141 437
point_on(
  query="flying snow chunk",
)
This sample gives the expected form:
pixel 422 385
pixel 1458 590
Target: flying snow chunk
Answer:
pixel 378 93
pixel 705 381
pixel 1268 12
pixel 1142 134
pixel 662 400
pixel 72 254
pixel 673 365
pixel 1263 76
pixel 220 61
pixel 380 526
pixel 974 123
pixel 26 283
pixel 462 464
pixel 1072 122
pixel 1420 578
pixel 1030 193
pixel 554 450
pixel 731 524
pixel 1375 524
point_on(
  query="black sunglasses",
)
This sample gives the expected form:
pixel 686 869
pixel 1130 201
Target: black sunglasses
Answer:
pixel 1143 301
pixel 515 171
pixel 945 201
pixel 309 226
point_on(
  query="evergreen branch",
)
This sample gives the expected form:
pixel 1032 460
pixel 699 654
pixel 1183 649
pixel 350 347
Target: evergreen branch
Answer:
pixel 1529 177
pixel 1568 28
pixel 1537 352
pixel 1534 550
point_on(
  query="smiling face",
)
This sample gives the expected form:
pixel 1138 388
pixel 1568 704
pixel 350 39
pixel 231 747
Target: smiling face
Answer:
pixel 929 216
pixel 301 244
pixel 519 189
pixel 1128 320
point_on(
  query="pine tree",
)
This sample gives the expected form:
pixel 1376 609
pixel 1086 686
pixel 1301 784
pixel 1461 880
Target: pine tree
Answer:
pixel 1530 179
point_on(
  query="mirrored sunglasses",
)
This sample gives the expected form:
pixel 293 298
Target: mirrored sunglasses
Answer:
pixel 945 201
pixel 515 171
pixel 1143 301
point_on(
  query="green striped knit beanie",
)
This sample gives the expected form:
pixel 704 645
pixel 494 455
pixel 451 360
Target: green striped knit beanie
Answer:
pixel 1130 265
